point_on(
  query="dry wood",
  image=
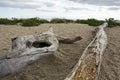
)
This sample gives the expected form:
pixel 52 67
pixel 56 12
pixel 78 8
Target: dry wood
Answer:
pixel 88 66
pixel 68 40
pixel 27 49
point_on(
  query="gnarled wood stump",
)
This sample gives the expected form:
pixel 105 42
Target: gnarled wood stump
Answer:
pixel 88 66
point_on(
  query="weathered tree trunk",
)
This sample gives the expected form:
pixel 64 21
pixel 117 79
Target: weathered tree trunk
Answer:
pixel 88 66
pixel 26 50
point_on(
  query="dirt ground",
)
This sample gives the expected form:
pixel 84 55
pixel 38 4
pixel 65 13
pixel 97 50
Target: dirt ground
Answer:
pixel 58 65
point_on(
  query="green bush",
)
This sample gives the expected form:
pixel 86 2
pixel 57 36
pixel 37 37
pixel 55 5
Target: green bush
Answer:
pixel 57 20
pixel 33 22
pixel 37 21
pixel 43 21
pixel 24 22
pixel 30 22
pixel 91 22
pixel 94 22
pixel 81 21
pixel 112 22
pixel 12 21
pixel 6 21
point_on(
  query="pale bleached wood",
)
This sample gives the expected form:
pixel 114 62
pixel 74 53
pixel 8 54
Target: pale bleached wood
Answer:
pixel 88 66
pixel 27 49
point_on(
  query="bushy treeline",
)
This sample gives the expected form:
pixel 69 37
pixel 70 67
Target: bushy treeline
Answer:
pixel 37 21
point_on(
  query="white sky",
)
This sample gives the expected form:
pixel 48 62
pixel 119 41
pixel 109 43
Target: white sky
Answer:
pixel 71 9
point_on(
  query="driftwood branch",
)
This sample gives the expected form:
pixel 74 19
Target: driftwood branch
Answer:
pixel 27 49
pixel 68 40
pixel 88 66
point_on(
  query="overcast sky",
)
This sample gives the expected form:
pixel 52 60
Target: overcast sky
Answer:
pixel 72 9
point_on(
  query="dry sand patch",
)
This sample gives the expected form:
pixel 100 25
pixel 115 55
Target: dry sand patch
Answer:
pixel 58 65
pixel 51 67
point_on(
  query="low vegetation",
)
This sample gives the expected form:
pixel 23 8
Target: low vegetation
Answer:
pixel 57 20
pixel 112 22
pixel 33 22
pixel 37 21
pixel 12 21
pixel 91 22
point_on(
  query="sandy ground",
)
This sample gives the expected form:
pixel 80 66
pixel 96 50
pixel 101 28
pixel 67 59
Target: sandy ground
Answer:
pixel 110 69
pixel 51 67
pixel 59 65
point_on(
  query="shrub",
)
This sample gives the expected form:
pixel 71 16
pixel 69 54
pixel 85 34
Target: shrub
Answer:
pixel 57 20
pixel 8 21
pixel 37 21
pixel 24 22
pixel 91 22
pixel 33 21
pixel 43 21
pixel 12 21
pixel 30 22
pixel 81 21
pixel 94 22
pixel 112 22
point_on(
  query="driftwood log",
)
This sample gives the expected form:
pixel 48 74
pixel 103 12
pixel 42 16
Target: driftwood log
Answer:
pixel 88 66
pixel 27 49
